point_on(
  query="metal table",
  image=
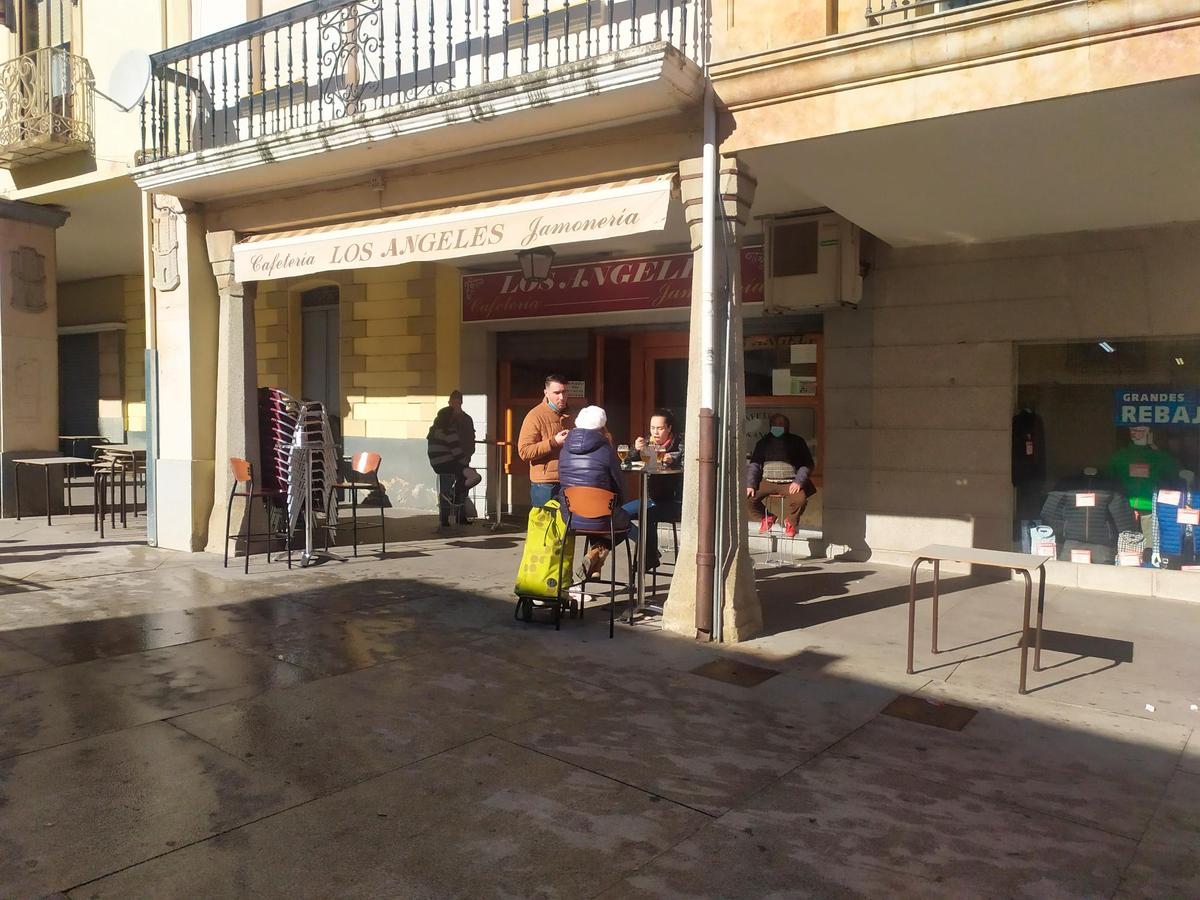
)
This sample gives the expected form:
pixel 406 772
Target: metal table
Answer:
pixel 645 474
pixel 47 462
pixel 1025 563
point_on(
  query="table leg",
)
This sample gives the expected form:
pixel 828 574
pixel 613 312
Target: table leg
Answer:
pixel 46 472
pixel 936 585
pixel 17 483
pixel 1025 626
pixel 912 611
pixel 1037 646
pixel 70 505
pixel 100 499
pixel 641 554
pixel 124 521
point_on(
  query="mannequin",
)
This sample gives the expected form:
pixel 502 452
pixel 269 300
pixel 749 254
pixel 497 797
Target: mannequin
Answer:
pixel 1088 512
pixel 1028 471
pixel 1141 467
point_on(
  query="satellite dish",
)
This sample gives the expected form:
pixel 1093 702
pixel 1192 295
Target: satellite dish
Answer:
pixel 128 80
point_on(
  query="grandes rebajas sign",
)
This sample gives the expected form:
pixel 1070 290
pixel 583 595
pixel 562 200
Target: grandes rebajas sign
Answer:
pixel 1157 406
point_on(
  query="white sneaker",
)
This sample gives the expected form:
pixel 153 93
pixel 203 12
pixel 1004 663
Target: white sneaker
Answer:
pixel 576 593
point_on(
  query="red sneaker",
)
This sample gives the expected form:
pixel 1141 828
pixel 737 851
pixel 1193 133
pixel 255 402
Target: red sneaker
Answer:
pixel 765 525
pixel 789 529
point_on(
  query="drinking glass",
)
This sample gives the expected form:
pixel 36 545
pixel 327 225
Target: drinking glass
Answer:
pixel 622 452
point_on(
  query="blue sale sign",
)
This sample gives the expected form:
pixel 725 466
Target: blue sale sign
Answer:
pixel 1156 406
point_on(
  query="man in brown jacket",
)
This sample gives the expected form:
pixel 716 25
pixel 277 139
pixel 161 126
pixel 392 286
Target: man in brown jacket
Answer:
pixel 542 436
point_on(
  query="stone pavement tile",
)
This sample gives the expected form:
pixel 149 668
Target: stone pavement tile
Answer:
pixel 872 815
pixel 14 660
pixel 331 645
pixel 720 862
pixel 81 811
pixel 487 819
pixel 1191 754
pixel 699 743
pixel 337 731
pixel 51 706
pixel 70 642
pixel 1161 872
pixel 1177 821
pixel 1085 765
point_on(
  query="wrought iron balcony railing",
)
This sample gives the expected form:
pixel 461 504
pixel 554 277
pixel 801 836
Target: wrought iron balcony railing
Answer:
pixel 45 107
pixel 889 11
pixel 328 60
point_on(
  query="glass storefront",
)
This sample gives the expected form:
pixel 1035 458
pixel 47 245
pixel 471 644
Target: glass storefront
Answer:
pixel 1105 451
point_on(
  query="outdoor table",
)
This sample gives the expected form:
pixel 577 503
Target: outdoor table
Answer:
pixel 46 463
pixel 645 474
pixel 1025 563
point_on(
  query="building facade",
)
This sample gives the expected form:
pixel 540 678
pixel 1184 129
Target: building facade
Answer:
pixel 927 219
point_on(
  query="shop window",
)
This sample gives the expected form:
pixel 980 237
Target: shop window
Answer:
pixel 781 366
pixel 1105 451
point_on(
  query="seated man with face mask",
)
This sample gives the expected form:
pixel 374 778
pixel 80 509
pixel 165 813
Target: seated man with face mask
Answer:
pixel 780 467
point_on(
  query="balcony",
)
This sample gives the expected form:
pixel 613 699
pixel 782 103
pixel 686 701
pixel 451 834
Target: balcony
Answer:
pixel 45 107
pixel 331 78
pixel 885 12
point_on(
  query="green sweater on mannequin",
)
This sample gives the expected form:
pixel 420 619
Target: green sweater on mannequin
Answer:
pixel 1141 469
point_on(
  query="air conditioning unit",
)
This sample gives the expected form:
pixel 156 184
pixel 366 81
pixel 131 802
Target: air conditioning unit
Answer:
pixel 810 262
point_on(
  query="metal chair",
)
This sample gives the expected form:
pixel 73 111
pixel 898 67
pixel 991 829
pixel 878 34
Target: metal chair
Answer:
pixel 365 464
pixel 594 503
pixel 243 473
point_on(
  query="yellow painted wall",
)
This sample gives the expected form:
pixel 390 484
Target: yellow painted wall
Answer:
pixel 91 302
pixel 135 353
pixel 400 344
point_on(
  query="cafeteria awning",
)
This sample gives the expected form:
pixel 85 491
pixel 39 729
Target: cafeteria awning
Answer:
pixel 588 213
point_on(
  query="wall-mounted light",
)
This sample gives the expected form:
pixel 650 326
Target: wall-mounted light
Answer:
pixel 1107 347
pixel 536 263
pixel 1179 360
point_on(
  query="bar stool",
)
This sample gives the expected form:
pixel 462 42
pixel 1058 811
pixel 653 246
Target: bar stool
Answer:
pixel 365 464
pixel 775 554
pixel 243 473
pixel 595 503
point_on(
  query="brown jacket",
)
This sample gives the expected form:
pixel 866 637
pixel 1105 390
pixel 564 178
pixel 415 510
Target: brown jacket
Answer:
pixel 534 444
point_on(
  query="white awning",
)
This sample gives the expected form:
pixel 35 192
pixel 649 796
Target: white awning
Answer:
pixel 557 217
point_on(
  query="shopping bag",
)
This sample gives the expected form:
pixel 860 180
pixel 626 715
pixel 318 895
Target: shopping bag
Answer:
pixel 548 549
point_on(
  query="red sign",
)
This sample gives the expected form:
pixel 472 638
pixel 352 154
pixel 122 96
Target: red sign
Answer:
pixel 612 285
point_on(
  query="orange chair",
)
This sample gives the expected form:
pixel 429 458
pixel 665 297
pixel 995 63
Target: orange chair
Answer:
pixel 364 464
pixel 243 473
pixel 594 503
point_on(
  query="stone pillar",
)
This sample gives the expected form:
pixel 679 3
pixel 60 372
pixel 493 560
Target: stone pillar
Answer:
pixel 741 613
pixel 186 315
pixel 28 351
pixel 237 388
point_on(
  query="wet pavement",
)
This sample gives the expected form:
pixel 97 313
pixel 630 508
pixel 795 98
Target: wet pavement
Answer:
pixel 382 726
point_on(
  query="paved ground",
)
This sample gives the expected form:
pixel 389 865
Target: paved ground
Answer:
pixel 383 728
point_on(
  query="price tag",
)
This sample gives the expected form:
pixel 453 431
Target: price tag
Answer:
pixel 1081 556
pixel 1129 558
pixel 1188 517
pixel 1045 548
pixel 1086 499
pixel 1139 470
pixel 1029 448
pixel 1170 498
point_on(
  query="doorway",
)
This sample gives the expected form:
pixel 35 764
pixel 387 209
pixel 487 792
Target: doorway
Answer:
pixel 79 383
pixel 320 354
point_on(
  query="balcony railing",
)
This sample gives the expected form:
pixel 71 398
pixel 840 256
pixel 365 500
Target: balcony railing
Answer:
pixel 330 60
pixel 889 11
pixel 45 106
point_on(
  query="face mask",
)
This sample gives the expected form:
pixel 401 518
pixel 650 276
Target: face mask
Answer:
pixel 777 430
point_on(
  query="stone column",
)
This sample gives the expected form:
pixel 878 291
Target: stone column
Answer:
pixel 237 389
pixel 185 312
pixel 28 351
pixel 741 613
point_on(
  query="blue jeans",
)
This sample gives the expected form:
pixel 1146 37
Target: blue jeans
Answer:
pixel 540 494
pixel 667 511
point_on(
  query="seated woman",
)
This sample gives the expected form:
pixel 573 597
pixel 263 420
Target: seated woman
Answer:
pixel 588 460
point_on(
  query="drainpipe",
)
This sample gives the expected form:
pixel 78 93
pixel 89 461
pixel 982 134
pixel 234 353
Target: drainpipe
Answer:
pixel 706 526
pixel 151 368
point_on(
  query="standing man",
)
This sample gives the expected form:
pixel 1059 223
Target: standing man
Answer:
pixel 780 466
pixel 543 434
pixel 664 495
pixel 451 444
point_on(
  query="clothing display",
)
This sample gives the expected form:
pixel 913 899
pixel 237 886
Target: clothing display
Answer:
pixel 1028 448
pixel 1088 513
pixel 1140 469
pixel 1175 543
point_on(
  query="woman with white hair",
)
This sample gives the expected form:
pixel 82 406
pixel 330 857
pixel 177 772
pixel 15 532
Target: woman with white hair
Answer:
pixel 588 460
